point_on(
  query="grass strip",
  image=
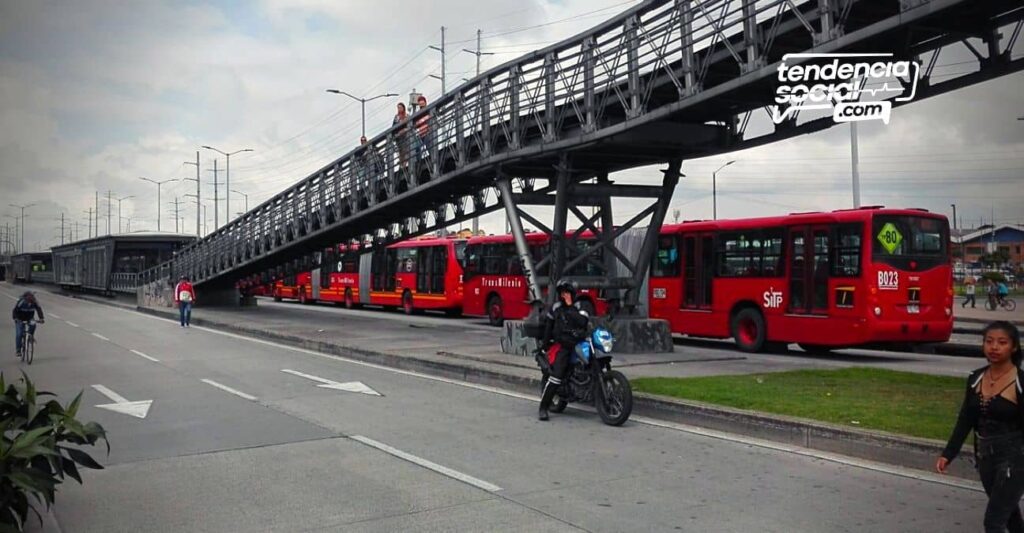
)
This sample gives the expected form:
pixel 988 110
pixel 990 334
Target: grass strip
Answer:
pixel 906 403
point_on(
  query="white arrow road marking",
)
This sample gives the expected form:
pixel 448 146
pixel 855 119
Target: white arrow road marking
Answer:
pixel 100 337
pixel 144 356
pixel 351 386
pixel 121 404
pixel 72 324
pixel 225 388
pixel 443 470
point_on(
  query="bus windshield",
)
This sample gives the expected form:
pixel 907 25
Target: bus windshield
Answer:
pixel 900 240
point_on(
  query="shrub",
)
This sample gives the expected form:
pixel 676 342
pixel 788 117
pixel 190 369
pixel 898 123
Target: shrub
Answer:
pixel 34 451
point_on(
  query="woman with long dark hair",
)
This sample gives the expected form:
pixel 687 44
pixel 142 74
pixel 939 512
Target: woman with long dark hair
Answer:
pixel 993 408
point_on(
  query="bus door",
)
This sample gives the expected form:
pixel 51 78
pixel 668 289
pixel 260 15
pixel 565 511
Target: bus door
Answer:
pixel 430 276
pixel 808 270
pixel 698 270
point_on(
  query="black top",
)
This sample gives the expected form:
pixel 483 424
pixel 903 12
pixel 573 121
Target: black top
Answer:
pixel 988 419
pixel 25 310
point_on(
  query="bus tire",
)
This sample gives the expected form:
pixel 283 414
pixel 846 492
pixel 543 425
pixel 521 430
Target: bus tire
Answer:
pixel 407 306
pixel 748 329
pixel 495 311
pixel 277 296
pixel 302 296
pixel 349 302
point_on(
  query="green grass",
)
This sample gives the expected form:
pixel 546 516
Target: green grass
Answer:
pixel 918 405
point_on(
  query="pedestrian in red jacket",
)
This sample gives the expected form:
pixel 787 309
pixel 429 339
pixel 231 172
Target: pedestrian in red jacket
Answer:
pixel 184 297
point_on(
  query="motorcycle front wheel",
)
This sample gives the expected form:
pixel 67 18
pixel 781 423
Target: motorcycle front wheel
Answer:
pixel 618 399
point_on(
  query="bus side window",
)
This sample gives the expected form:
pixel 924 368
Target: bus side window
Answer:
pixel 666 259
pixel 847 250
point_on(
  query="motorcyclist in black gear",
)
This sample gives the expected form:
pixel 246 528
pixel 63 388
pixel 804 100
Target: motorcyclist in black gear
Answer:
pixel 566 325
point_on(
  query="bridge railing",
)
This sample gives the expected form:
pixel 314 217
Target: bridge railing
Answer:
pixel 656 52
pixel 124 282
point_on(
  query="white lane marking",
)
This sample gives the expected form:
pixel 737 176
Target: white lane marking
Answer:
pixel 443 470
pixel 55 315
pixel 351 386
pixel 121 404
pixel 739 439
pixel 144 356
pixel 100 337
pixel 72 324
pixel 225 388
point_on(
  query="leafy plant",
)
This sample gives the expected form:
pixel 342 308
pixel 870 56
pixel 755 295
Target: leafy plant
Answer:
pixel 35 455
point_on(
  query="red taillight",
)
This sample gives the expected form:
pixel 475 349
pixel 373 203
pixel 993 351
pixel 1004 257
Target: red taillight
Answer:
pixel 913 265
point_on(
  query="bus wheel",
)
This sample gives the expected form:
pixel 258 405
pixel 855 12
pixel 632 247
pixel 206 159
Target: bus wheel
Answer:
pixel 407 303
pixel 302 296
pixel 815 349
pixel 748 329
pixel 495 311
pixel 277 296
pixel 349 302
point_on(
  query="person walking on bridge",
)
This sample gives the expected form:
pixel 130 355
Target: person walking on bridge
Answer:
pixel 184 297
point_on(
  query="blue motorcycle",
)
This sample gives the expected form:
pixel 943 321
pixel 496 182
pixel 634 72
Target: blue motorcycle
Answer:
pixel 590 379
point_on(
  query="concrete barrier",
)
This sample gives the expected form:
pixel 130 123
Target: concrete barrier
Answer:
pixel 632 335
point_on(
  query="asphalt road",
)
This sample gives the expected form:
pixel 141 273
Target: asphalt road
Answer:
pixel 233 442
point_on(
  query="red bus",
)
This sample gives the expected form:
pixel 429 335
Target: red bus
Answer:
pixel 824 280
pixel 415 275
pixel 495 285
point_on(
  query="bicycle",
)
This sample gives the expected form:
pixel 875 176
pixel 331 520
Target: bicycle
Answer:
pixel 1005 303
pixel 28 341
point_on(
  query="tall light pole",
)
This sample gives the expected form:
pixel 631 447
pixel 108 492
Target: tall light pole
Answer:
pixel 227 179
pixel 362 102
pixel 23 208
pixel 198 193
pixel 158 203
pixel 14 236
pixel 478 54
pixel 119 200
pixel 714 190
pixel 246 199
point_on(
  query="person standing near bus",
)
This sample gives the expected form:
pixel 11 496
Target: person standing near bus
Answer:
pixel 184 297
pixel 993 408
pixel 969 289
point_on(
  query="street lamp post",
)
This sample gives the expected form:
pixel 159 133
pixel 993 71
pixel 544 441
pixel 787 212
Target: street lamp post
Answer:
pixel 362 102
pixel 227 180
pixel 119 200
pixel 23 208
pixel 246 199
pixel 714 190
pixel 158 204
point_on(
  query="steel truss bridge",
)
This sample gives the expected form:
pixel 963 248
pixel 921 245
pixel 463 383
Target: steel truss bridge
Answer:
pixel 664 81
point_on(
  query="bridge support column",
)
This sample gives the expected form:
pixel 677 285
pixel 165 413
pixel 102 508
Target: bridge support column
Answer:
pixel 223 297
pixel 608 262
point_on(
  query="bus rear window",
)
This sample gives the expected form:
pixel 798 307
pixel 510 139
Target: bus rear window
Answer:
pixel 899 239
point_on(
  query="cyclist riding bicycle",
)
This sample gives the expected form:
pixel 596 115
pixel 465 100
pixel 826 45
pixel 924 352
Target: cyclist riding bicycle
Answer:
pixel 23 313
pixel 1002 291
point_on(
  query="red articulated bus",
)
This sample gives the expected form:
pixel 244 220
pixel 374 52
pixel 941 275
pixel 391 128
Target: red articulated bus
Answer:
pixel 414 275
pixel 824 280
pixel 495 285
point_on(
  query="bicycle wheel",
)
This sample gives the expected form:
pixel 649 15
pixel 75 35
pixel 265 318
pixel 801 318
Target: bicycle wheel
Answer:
pixel 30 349
pixel 1010 305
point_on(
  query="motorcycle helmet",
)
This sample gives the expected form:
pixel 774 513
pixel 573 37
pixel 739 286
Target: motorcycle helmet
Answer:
pixel 566 286
pixel 603 340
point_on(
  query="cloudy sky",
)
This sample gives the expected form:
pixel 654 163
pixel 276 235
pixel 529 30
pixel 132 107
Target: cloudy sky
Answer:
pixel 95 94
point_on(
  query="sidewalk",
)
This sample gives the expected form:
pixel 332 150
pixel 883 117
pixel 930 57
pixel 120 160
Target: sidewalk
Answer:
pixel 467 350
pixel 980 315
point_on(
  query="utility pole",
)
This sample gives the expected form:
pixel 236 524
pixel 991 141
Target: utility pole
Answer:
pixel 227 179
pixel 159 184
pixel 216 197
pixel 478 53
pixel 442 77
pixel 854 163
pixel 175 203
pixel 62 227
pixel 198 193
pixel 109 204
pixel 96 213
pixel 89 232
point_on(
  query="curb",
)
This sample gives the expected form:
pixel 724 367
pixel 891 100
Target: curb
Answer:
pixel 907 452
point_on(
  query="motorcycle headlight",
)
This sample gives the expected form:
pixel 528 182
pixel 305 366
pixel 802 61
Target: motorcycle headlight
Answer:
pixel 603 340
